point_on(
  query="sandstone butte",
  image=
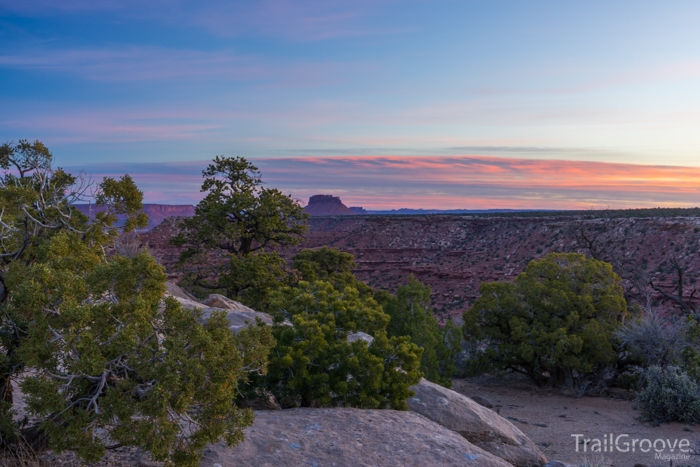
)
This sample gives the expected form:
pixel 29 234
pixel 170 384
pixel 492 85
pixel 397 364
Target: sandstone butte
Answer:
pixel 327 205
pixel 454 254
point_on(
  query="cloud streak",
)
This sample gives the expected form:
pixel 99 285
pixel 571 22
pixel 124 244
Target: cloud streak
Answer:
pixel 149 63
pixel 451 182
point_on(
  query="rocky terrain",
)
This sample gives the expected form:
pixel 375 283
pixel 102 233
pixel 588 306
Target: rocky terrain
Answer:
pixel 327 205
pixel 484 421
pixel 157 213
pixel 455 254
pixel 442 427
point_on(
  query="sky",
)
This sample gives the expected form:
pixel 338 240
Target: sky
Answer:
pixel 387 104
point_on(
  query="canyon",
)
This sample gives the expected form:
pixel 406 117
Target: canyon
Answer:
pixel 157 213
pixel 454 254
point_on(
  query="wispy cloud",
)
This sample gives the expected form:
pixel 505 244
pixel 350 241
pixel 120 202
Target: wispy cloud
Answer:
pixel 147 63
pixel 297 20
pixel 471 182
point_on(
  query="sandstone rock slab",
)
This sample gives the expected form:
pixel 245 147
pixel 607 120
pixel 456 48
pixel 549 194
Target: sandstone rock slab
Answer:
pixel 219 301
pixel 239 316
pixel 176 291
pixel 360 336
pixel 348 438
pixel 481 426
pixel 483 401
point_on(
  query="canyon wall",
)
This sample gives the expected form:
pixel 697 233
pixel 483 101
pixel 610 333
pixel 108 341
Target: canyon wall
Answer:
pixel 455 254
pixel 157 213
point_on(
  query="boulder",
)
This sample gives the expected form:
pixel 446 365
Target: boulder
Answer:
pixel 219 301
pixel 483 401
pixel 176 291
pixel 359 335
pixel 344 437
pixel 481 426
pixel 238 315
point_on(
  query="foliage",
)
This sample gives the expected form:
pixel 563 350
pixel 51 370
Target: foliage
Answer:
pixel 110 360
pixel 238 215
pixel 241 219
pixel 670 395
pixel 554 323
pixel 411 316
pixel 330 265
pixel 251 278
pixel 314 365
pixel 653 341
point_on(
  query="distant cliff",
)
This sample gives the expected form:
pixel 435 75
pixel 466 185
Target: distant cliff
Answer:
pixel 327 205
pixel 156 212
pixel 454 254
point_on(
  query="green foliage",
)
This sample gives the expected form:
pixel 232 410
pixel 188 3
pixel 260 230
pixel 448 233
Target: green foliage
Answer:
pixel 37 202
pixel 670 395
pixel 251 278
pixel 314 365
pixel 238 215
pixel 107 355
pixel 242 219
pixel 111 361
pixel 330 265
pixel 121 197
pixel 411 316
pixel 555 322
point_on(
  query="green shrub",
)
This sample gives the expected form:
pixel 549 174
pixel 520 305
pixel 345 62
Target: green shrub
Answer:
pixel 314 365
pixel 653 341
pixel 670 395
pixel 554 323
pixel 111 362
pixel 411 316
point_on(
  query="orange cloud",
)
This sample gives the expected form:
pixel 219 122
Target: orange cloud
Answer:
pixel 474 182
pixel 445 182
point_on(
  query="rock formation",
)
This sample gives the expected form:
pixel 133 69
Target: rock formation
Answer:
pixel 238 315
pixel 455 254
pixel 348 438
pixel 479 425
pixel 327 205
pixel 358 210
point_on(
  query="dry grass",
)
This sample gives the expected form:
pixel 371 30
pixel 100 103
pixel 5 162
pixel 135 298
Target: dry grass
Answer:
pixel 24 457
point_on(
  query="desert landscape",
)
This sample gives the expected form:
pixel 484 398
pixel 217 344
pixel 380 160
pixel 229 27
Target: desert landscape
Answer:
pixel 454 254
pixel 413 233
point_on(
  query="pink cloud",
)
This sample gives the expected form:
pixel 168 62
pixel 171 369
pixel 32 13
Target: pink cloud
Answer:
pixel 458 182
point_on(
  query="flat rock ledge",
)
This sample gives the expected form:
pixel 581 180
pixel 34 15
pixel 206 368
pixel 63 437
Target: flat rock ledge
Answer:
pixel 348 438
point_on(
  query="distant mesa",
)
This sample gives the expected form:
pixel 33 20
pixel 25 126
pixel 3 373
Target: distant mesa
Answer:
pixel 327 205
pixel 358 210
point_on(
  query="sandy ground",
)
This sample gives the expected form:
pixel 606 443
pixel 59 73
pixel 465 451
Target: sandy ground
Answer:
pixel 550 418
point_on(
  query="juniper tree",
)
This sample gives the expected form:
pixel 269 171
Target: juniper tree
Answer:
pixel 555 322
pixel 111 363
pixel 412 316
pixel 240 219
pixel 314 364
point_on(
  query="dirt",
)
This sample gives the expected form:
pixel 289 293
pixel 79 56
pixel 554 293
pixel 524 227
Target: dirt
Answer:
pixel 550 418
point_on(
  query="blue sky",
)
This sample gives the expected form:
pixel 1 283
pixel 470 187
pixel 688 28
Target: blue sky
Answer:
pixel 172 83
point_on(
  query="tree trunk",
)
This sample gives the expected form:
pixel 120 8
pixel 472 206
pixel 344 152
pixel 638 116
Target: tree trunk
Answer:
pixel 6 388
